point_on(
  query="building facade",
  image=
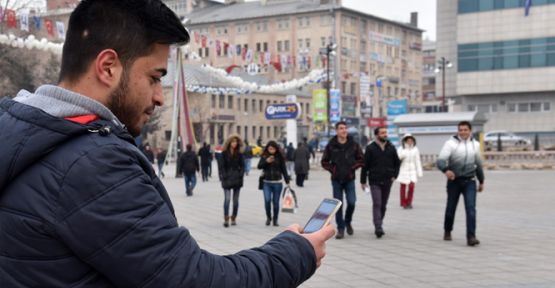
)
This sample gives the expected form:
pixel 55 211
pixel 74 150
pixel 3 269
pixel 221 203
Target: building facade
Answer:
pixel 431 101
pixel 288 39
pixel 503 53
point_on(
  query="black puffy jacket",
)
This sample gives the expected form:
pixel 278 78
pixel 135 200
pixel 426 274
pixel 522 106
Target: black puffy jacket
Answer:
pixel 82 207
pixel 380 165
pixel 274 171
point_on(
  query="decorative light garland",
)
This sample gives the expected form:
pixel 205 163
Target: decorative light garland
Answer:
pixel 240 86
pixel 31 43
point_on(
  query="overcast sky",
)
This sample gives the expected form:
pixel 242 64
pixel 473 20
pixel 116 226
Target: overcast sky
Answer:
pixel 399 10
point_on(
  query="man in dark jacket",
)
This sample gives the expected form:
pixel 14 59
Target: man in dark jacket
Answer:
pixel 189 167
pixel 80 205
pixel 381 168
pixel 342 156
pixel 205 160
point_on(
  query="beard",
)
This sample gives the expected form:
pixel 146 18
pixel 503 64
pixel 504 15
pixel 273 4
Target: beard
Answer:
pixel 382 139
pixel 127 112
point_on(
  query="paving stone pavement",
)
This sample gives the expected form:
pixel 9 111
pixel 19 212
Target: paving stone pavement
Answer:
pixel 516 216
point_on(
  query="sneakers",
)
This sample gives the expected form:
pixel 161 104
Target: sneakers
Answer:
pixel 379 232
pixel 447 236
pixel 472 241
pixel 350 230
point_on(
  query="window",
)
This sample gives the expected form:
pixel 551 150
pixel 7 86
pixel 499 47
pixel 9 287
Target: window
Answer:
pixel 253 106
pixel 222 101
pixel 353 88
pixel 261 134
pixel 246 132
pixel 307 41
pixel 523 107
pixel 238 130
pixel 325 20
pixel 300 45
pixel 511 107
pixel 546 106
pixel 303 21
pixel 246 106
pixel 536 107
pixel 238 104
pixel 262 26
pixel 265 46
pixel 308 112
pixel 286 45
pixel 283 23
pixel 253 131
pixel 276 132
pixel 242 28
pixel 258 47
pixel 261 106
pixel 213 101
pixel 323 41
pixel 343 87
pixel 229 102
pixel 279 46
pixel 268 132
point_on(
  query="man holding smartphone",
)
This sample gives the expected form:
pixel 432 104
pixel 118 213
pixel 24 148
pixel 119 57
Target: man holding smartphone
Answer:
pixel 381 168
pixel 341 158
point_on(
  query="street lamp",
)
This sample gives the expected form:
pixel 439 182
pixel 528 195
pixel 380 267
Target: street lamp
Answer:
pixel 443 64
pixel 379 80
pixel 330 51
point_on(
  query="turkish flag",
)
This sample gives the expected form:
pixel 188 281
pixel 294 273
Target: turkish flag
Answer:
pixel 203 41
pixel 49 27
pixel 10 15
pixel 196 37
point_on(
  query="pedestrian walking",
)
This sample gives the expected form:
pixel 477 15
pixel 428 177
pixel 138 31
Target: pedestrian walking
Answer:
pixel 460 161
pixel 204 154
pixel 232 170
pixel 248 158
pixel 272 162
pixel 302 158
pixel 290 159
pixel 381 168
pixel 342 157
pixel 189 168
pixel 210 160
pixel 411 169
pixel 161 159
pixel 81 205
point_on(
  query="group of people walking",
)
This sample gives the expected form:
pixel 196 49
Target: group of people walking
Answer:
pixel 382 164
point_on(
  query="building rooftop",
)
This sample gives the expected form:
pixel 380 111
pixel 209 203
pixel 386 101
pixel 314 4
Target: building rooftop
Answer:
pixel 220 12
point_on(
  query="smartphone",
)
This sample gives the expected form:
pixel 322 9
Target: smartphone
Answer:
pixel 322 215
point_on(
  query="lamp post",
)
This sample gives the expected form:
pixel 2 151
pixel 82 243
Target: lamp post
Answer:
pixel 330 51
pixel 443 64
pixel 379 80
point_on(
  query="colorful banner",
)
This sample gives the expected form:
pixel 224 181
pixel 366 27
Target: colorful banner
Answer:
pixel 10 18
pixel 335 105
pixel 282 111
pixel 49 27
pixel 24 22
pixel 394 109
pixel 319 102
pixel 382 38
pixel 60 29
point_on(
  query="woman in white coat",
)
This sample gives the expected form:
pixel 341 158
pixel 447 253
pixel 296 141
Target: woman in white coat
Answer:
pixel 411 169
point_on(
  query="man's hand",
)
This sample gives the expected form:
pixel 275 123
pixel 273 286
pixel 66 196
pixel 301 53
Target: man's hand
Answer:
pixel 481 187
pixel 450 175
pixel 392 179
pixel 364 186
pixel 317 239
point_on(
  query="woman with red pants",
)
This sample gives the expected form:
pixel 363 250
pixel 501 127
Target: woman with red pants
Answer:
pixel 411 169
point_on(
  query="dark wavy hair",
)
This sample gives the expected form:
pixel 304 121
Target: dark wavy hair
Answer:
pixel 129 27
pixel 272 143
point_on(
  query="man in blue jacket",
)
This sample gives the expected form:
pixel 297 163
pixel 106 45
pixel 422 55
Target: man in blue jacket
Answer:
pixel 80 205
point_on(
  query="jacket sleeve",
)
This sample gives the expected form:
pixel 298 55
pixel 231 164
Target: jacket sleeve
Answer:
pixel 262 164
pixel 479 166
pixel 396 162
pixel 326 159
pixel 418 163
pixel 115 220
pixel 359 158
pixel 222 166
pixel 366 166
pixel 443 158
pixel 401 153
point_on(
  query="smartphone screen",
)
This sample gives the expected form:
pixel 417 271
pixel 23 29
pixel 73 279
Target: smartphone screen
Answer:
pixel 322 215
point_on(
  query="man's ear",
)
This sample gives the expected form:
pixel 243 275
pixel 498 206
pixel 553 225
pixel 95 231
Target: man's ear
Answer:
pixel 108 68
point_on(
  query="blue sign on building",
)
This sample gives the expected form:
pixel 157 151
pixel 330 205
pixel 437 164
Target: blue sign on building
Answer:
pixel 282 111
pixel 335 105
pixel 394 109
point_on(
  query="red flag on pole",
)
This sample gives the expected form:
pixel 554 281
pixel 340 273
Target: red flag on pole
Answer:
pixel 203 41
pixel 196 37
pixel 49 27
pixel 10 15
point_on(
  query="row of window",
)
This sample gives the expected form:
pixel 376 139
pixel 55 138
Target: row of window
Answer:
pixel 243 131
pixel 470 6
pixel 521 107
pixel 243 104
pixel 500 55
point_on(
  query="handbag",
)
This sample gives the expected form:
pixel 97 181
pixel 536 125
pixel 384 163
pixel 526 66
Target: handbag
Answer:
pixel 261 181
pixel 290 203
